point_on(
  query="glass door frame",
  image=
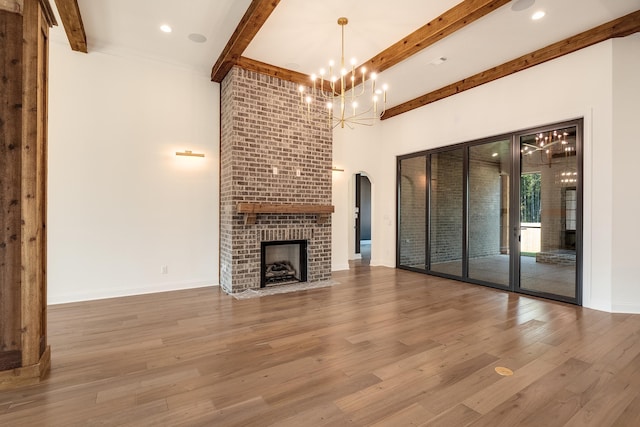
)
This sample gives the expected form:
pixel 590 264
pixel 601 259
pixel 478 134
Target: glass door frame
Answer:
pixel 514 214
pixel 514 219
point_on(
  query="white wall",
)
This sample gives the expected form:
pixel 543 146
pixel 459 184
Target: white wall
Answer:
pixel 121 204
pixel 576 85
pixel 626 154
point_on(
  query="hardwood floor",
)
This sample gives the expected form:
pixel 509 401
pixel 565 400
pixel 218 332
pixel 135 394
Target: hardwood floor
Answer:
pixel 384 347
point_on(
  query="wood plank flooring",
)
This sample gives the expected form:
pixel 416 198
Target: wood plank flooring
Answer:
pixel 384 347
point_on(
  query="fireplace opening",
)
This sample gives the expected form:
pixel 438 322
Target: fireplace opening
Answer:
pixel 283 262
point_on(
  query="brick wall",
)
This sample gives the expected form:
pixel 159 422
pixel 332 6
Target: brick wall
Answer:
pixel 262 127
pixel 446 206
pixel 413 205
pixel 485 195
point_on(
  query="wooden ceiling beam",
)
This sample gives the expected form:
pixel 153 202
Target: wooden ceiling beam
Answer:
pixel 253 19
pixel 72 23
pixel 452 20
pixel 444 25
pixel 15 6
pixel 272 70
pixel 621 27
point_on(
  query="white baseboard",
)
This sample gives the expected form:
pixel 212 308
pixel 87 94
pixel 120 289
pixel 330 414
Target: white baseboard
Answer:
pixel 53 299
pixel 626 308
pixel 382 263
pixel 600 305
pixel 339 267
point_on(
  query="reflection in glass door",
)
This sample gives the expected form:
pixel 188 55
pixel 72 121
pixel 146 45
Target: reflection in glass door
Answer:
pixel 549 212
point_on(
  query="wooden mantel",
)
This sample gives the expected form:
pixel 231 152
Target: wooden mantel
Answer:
pixel 251 210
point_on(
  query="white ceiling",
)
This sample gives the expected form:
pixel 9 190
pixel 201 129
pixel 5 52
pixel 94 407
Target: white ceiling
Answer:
pixel 303 35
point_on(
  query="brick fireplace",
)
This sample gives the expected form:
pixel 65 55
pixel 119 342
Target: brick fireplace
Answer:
pixel 275 169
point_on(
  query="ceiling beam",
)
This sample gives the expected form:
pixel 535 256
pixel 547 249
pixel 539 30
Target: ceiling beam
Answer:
pixel 621 27
pixel 72 23
pixel 15 6
pixel 253 19
pixel 272 70
pixel 449 22
pixel 444 25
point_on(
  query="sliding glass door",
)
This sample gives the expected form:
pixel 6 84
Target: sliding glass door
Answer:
pixel 462 216
pixel 488 213
pixel 412 212
pixel 549 212
pixel 446 205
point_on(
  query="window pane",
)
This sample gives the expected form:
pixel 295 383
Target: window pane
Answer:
pixel 489 212
pixel 446 212
pixel 548 206
pixel 413 208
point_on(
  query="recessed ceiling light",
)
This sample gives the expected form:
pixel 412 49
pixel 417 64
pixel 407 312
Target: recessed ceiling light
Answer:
pixel 197 38
pixel 438 60
pixel 165 28
pixel 538 15
pixel 519 5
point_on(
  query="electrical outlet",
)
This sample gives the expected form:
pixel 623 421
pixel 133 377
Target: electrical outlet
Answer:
pixel 164 269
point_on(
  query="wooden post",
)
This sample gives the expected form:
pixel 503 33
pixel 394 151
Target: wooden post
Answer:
pixel 10 172
pixel 24 353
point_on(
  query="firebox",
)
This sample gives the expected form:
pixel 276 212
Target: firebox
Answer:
pixel 283 262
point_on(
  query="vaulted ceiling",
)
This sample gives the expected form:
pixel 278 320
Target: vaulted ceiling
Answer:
pixel 404 39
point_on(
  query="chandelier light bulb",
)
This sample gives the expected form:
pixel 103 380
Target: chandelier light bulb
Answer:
pixel 331 63
pixel 374 76
pixel 363 69
pixel 313 77
pixel 353 61
pixel 354 104
pixel 322 71
pixel 301 89
pixel 343 72
pixel 308 99
pixel 329 105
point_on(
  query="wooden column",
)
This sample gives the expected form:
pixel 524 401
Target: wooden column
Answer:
pixel 24 31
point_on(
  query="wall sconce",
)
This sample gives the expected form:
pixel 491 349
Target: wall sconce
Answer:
pixel 335 169
pixel 189 153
